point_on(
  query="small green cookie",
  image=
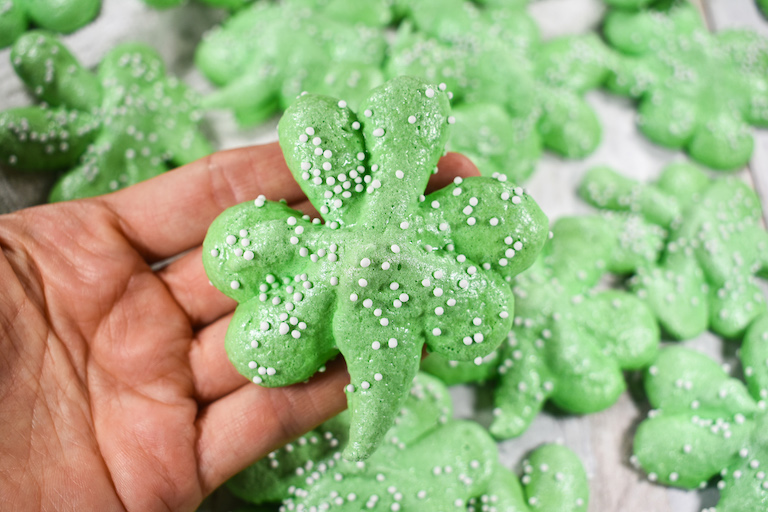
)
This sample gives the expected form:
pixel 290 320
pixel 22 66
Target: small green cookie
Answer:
pixel 265 55
pixel 390 271
pixel 696 91
pixel 54 15
pixel 706 424
pixel 127 123
pixel 715 247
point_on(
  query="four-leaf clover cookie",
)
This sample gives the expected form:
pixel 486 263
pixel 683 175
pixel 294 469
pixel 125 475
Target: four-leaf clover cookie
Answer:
pixel 126 123
pixel 389 271
pixel 705 424
pixel 55 15
pixel 427 461
pixel 716 246
pixel 569 343
pixel 696 90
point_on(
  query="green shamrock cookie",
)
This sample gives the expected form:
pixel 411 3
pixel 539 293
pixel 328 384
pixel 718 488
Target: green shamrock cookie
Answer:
pixel 705 424
pixel 124 124
pixel 568 343
pixel 512 96
pixel 390 270
pixel 716 245
pixel 696 91
pixel 427 462
pixel 264 56
pixel 55 15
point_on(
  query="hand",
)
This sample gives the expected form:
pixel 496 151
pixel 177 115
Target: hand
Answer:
pixel 115 389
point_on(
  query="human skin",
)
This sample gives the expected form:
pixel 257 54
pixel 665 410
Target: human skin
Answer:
pixel 115 389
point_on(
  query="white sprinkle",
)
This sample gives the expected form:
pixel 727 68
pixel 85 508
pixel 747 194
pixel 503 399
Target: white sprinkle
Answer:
pixel 342 104
pixel 356 125
pixel 411 119
pixel 375 345
pixel 399 174
pixel 362 282
pixel 235 285
pixel 378 132
pixel 317 141
pixel 214 252
pixel 430 93
pixel 436 331
pixel 438 292
pixel 377 376
pixel 404 225
pixel 367 113
pixel 365 262
pixel 231 239
pixel 392 343
pixel 353 297
pixel 451 120
pixel 395 248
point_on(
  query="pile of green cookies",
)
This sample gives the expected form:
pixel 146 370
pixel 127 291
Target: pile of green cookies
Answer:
pixel 513 94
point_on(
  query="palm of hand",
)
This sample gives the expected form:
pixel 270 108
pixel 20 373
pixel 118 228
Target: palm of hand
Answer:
pixel 115 390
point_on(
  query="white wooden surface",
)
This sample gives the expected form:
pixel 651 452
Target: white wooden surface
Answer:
pixel 602 440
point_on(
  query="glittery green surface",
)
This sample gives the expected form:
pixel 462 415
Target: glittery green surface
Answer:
pixel 569 343
pixel 696 90
pixel 705 424
pixel 513 94
pixel 126 123
pixel 390 270
pixel 427 461
pixel 54 15
pixel 716 246
pixel 264 56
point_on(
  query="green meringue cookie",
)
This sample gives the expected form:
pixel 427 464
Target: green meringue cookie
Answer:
pixel 706 424
pixel 568 67
pixel 390 270
pixel 127 123
pixel 427 462
pixel 264 56
pixel 715 247
pixel 569 343
pixel 54 15
pixel 488 59
pixel 697 91
pixel 495 142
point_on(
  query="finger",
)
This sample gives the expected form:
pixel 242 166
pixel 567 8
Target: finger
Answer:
pixel 188 283
pixel 214 376
pixel 451 166
pixel 248 424
pixel 169 214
